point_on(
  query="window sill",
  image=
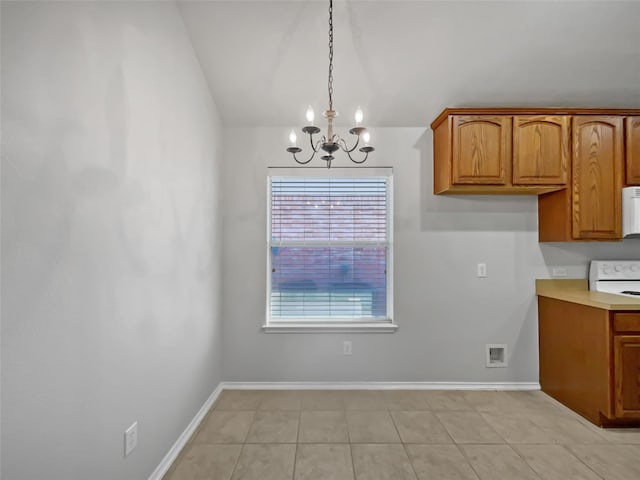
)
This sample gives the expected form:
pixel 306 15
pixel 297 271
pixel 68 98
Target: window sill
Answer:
pixel 330 328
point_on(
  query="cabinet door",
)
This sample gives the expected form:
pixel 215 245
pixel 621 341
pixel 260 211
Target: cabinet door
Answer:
pixel 540 150
pixel 481 149
pixel 633 150
pixel 627 375
pixel 597 177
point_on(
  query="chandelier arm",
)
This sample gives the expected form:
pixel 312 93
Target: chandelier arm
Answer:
pixel 314 148
pixel 346 149
pixel 304 162
pixel 366 154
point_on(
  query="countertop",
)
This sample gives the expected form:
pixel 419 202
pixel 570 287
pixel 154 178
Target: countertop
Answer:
pixel 577 291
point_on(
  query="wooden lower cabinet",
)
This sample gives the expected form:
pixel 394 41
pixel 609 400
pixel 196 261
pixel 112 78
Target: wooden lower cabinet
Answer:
pixel 627 375
pixel 589 362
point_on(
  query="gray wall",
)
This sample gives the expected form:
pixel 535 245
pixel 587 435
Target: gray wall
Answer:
pixel 446 315
pixel 111 237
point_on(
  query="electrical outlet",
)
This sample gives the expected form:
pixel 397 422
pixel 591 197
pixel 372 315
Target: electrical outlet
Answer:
pixel 346 348
pixel 558 272
pixel 130 438
pixel 482 270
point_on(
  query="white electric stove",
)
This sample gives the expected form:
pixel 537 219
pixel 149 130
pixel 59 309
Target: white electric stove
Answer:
pixel 621 277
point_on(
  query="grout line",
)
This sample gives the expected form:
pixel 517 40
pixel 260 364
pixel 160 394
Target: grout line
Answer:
pixel 413 469
pixel 566 448
pixel 404 447
pixel 393 422
pixel 295 453
pixel 353 464
pixel 521 456
pixel 235 465
pixel 443 427
pixel 467 459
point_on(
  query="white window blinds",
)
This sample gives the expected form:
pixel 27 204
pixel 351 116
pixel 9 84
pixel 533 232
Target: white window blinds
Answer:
pixel 329 249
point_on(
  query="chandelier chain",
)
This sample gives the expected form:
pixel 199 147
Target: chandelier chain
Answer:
pixel 331 142
pixel 330 84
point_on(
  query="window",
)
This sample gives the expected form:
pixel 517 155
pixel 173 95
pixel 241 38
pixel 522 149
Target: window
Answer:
pixel 329 250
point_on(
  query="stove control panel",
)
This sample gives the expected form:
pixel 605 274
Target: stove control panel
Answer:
pixel 614 270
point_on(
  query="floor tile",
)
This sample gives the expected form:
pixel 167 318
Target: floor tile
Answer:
pixel 434 462
pixel 613 435
pixel 611 462
pixel 225 426
pixel 381 462
pixel 265 462
pixel 399 434
pixel 468 427
pixel 620 435
pixel 498 461
pixel 406 400
pixel 323 427
pixel 534 400
pixel 206 462
pixel 239 400
pixel 554 462
pixel 274 427
pixel 420 427
pixel 449 400
pixel 323 462
pixel 371 427
pixel 518 428
pixel 281 400
pixel 565 429
pixel 364 400
pixel 322 400
pixel 491 401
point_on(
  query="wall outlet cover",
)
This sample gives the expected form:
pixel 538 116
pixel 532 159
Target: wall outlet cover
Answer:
pixel 347 348
pixel 481 270
pixel 558 272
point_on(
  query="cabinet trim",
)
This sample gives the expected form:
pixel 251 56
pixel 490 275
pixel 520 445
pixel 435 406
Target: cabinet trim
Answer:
pixel 532 111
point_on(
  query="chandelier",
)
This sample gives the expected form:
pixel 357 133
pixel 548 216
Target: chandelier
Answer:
pixel 331 142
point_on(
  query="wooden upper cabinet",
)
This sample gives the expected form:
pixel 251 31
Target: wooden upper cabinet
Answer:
pixel 633 150
pixel 540 149
pixel 481 149
pixel 530 151
pixel 597 177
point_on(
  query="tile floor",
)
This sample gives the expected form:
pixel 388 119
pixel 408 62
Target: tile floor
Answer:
pixel 397 435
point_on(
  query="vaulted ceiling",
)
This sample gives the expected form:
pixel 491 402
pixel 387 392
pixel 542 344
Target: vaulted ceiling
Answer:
pixel 265 61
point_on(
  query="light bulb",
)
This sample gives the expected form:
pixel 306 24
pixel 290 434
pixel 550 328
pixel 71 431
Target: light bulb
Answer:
pixel 359 116
pixel 366 136
pixel 292 138
pixel 310 115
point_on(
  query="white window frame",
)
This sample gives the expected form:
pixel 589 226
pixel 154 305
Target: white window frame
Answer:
pixel 332 325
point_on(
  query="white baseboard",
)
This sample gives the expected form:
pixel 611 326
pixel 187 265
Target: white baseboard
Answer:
pixel 380 386
pixel 177 447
